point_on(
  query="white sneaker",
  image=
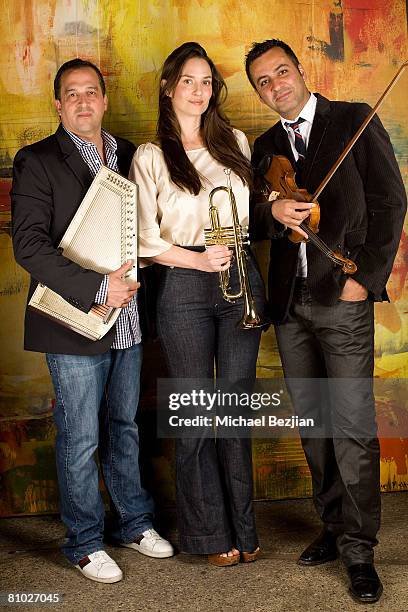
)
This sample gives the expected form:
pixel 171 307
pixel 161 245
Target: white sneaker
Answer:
pixel 100 567
pixel 151 544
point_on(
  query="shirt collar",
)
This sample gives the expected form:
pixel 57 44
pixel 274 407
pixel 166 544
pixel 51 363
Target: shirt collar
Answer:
pixel 307 113
pixel 108 140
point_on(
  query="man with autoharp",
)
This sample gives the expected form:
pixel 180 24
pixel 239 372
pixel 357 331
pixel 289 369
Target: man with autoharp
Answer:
pixel 96 383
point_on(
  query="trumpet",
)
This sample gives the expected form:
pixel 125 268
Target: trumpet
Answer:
pixel 236 238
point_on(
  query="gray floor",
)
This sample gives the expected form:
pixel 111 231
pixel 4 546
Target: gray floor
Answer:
pixel 30 562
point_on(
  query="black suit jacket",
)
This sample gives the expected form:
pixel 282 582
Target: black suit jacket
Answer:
pixel 362 207
pixel 50 180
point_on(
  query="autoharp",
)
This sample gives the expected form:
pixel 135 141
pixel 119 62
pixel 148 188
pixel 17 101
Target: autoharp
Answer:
pixel 101 236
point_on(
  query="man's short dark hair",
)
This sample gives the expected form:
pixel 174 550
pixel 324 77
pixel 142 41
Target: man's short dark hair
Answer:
pixel 260 48
pixel 74 64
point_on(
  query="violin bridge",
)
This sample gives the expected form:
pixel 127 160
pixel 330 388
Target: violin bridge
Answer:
pixel 274 195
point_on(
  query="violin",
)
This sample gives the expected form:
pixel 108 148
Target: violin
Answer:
pixel 280 184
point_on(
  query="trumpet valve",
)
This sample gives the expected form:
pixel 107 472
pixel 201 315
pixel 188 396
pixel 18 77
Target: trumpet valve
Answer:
pixel 225 236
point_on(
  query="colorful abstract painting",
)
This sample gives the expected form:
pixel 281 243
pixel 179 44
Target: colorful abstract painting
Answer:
pixel 350 50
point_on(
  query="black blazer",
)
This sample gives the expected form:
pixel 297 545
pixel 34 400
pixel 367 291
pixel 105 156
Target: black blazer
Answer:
pixel 362 207
pixel 50 180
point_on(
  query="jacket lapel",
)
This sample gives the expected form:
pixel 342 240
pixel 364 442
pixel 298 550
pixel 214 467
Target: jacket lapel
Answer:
pixel 281 143
pixel 319 127
pixel 72 158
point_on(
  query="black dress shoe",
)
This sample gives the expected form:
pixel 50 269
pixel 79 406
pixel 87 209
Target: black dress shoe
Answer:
pixel 321 550
pixel 365 585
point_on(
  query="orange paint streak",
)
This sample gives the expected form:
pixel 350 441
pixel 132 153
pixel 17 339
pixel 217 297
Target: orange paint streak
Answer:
pixel 400 43
pixel 391 418
pixel 399 270
pixel 51 18
pixel 396 449
pixel 29 22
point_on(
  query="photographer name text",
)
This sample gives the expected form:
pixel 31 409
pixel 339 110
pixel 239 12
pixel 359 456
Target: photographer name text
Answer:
pixel 240 421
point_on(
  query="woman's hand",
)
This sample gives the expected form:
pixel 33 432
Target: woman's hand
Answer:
pixel 215 259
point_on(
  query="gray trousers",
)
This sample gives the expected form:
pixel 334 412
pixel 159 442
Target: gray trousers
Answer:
pixel 337 342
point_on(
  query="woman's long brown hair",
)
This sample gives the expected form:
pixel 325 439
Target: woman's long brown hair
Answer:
pixel 216 131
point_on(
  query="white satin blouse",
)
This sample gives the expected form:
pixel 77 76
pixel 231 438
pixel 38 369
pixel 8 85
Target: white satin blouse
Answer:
pixel 169 215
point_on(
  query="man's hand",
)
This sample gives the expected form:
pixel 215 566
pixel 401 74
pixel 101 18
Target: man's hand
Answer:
pixel 353 291
pixel 291 213
pixel 120 291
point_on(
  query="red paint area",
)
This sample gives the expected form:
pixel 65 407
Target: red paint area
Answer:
pixel 359 15
pixel 363 5
pixel 392 418
pixel 5 186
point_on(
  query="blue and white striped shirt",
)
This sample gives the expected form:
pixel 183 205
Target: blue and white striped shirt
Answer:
pixel 127 326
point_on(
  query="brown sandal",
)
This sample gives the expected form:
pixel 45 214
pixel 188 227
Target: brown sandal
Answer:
pixel 248 557
pixel 220 561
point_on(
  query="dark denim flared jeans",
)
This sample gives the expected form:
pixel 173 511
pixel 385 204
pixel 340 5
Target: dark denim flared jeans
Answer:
pixel 198 329
pixel 95 409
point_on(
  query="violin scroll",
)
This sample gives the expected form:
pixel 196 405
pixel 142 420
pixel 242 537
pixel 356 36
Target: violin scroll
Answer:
pixel 347 265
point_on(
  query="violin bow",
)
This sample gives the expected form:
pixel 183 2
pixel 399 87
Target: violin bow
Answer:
pixel 357 135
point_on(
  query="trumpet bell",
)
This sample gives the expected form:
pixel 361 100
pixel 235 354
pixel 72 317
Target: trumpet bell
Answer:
pixel 251 320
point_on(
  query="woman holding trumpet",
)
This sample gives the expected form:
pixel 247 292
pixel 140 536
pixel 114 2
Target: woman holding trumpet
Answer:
pixel 197 326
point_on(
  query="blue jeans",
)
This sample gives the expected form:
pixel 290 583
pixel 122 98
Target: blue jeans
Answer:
pixel 95 409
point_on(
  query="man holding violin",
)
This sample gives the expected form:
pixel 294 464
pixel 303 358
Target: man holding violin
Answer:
pixel 324 319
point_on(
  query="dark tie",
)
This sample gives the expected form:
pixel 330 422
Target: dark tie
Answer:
pixel 299 142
